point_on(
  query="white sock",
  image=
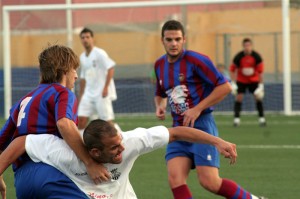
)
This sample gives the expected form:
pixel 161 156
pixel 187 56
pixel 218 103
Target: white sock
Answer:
pixel 254 197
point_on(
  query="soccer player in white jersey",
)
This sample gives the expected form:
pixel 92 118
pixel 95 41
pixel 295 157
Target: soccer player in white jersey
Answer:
pixel 97 87
pixel 116 150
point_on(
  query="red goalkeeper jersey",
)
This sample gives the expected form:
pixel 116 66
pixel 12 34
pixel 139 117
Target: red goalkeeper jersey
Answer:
pixel 248 67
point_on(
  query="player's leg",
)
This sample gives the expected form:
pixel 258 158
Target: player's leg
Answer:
pixel 178 171
pixel 85 110
pixel 238 103
pixel 179 164
pixel 259 105
pixel 105 111
pixel 206 158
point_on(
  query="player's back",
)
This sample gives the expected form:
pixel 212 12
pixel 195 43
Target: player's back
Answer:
pixel 38 111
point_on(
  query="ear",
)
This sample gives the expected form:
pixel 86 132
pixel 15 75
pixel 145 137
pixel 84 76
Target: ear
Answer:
pixel 95 152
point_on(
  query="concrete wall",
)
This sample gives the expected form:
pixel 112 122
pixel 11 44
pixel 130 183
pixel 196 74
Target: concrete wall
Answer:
pixel 134 49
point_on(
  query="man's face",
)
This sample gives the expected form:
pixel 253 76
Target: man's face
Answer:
pixel 113 148
pixel 173 41
pixel 247 47
pixel 87 40
pixel 71 78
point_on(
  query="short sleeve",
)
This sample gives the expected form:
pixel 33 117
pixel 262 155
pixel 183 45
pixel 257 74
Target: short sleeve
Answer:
pixel 66 105
pixel 208 72
pixel 49 149
pixel 105 60
pixel 147 140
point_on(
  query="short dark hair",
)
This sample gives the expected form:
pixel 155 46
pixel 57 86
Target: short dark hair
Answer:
pixel 55 61
pixel 172 25
pixel 87 30
pixel 96 131
pixel 246 40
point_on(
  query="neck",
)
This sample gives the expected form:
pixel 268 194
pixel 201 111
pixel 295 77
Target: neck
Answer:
pixel 88 50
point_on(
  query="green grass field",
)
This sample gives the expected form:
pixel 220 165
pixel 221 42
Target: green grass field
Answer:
pixel 268 161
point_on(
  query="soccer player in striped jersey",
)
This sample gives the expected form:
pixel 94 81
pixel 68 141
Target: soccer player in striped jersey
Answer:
pixel 191 84
pixel 51 108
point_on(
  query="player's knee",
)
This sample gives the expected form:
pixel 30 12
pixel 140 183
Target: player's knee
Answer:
pixel 210 184
pixel 175 180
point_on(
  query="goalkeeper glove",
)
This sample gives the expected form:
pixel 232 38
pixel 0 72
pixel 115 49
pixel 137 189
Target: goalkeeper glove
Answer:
pixel 234 88
pixel 259 91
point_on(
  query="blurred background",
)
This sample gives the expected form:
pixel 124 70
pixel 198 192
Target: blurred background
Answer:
pixel 131 36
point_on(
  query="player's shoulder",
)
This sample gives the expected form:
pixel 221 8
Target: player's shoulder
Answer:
pixel 59 89
pixel 255 54
pixel 196 57
pixel 240 54
pixel 141 133
pixel 160 60
pixel 99 51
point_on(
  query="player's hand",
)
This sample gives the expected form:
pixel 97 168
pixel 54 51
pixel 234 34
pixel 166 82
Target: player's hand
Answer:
pixel 2 188
pixel 190 116
pixel 161 113
pixel 98 172
pixel 234 88
pixel 259 91
pixel 228 150
pixel 105 92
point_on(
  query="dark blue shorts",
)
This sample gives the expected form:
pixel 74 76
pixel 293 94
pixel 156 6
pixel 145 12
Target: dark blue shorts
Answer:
pixel 200 154
pixel 42 181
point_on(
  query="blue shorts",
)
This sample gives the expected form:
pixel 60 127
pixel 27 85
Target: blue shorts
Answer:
pixel 200 154
pixel 42 181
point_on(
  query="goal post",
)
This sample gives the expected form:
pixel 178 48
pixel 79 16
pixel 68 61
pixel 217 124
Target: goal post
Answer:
pixel 114 5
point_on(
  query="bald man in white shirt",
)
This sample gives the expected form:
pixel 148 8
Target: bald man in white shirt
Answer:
pixel 116 150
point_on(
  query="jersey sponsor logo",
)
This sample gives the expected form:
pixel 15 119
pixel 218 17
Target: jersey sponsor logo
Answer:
pixel 81 174
pixel 99 196
pixel 177 99
pixel 248 71
pixel 115 174
pixel 181 77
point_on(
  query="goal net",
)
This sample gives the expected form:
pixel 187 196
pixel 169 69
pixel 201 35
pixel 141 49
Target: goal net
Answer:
pixel 130 34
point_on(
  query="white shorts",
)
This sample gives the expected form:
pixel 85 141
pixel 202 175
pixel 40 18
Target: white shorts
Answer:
pixel 102 107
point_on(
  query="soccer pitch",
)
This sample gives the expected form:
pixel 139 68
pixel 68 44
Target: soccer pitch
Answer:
pixel 268 159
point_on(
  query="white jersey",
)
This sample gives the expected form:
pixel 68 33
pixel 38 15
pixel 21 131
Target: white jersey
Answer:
pixel 93 68
pixel 54 151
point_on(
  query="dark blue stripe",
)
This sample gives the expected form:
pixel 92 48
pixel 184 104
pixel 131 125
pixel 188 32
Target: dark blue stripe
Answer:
pixel 237 193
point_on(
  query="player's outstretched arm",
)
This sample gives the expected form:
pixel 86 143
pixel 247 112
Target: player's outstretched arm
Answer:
pixel 2 188
pixel 14 150
pixel 227 149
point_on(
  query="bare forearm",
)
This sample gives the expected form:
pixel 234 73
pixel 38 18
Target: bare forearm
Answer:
pixel 160 102
pixel 70 134
pixel 217 95
pixel 192 135
pixel 109 76
pixel 14 150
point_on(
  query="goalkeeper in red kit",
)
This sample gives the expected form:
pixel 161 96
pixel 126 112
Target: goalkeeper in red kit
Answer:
pixel 246 73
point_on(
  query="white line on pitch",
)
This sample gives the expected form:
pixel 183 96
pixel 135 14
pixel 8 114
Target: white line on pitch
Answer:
pixel 268 146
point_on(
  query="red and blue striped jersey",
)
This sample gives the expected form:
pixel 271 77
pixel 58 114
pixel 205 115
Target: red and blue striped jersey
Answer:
pixel 186 82
pixel 37 113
